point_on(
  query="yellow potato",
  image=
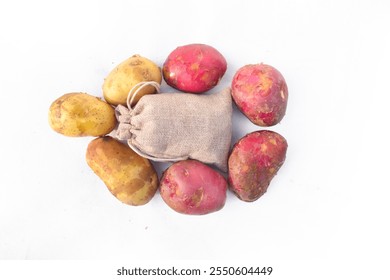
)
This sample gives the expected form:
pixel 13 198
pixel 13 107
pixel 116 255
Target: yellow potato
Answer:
pixel 126 75
pixel 129 177
pixel 80 114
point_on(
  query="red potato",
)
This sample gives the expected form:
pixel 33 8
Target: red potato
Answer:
pixel 191 187
pixel 261 93
pixel 194 68
pixel 254 161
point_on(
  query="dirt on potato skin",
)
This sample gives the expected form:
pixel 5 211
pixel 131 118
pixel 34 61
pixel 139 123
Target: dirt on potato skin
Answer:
pixel 254 161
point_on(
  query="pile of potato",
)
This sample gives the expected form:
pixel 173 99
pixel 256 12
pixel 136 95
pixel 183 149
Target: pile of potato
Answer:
pixel 189 186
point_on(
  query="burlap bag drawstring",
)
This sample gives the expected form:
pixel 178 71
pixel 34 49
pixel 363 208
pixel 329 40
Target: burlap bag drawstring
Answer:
pixel 136 89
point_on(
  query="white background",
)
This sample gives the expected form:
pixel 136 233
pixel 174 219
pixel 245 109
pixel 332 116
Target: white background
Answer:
pixel 328 202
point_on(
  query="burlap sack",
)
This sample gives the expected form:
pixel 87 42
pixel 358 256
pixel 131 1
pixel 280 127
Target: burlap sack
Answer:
pixel 178 126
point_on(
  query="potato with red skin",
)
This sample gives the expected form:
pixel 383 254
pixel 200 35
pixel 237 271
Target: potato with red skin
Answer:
pixel 194 68
pixel 191 187
pixel 261 93
pixel 254 161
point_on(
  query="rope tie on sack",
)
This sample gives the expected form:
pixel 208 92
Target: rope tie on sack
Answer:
pixel 137 88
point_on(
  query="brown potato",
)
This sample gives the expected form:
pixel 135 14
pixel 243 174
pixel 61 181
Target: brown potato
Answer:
pixel 81 114
pixel 128 176
pixel 126 75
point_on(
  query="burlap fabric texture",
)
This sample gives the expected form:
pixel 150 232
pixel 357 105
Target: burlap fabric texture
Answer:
pixel 179 126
